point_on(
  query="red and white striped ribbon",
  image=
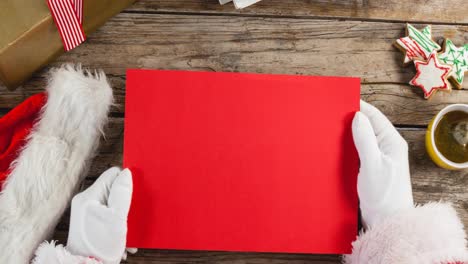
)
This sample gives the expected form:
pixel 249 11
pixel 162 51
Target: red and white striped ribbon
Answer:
pixel 68 17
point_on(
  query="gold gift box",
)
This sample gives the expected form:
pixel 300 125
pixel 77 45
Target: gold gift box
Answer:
pixel 30 40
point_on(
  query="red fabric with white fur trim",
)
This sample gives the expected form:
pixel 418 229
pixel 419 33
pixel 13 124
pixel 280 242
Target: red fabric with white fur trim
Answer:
pixel 14 128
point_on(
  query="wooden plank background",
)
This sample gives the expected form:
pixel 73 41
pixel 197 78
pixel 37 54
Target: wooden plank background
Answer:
pixel 322 37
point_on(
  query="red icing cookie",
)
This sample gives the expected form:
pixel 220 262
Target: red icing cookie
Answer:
pixel 431 75
pixel 417 45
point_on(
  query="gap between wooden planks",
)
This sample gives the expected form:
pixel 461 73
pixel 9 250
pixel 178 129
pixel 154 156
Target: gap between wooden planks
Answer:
pixel 252 44
pixel 438 11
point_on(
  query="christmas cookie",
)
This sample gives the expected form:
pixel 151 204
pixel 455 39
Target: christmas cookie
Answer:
pixel 418 45
pixel 458 59
pixel 431 75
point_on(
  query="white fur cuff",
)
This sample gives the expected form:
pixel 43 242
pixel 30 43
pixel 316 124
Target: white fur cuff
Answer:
pixel 49 253
pixel 432 233
pixel 53 161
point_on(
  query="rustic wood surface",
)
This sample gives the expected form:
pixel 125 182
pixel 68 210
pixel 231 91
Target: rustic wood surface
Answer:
pixel 434 11
pixel 322 37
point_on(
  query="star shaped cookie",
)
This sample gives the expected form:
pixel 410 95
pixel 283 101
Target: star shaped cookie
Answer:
pixel 458 59
pixel 431 75
pixel 418 45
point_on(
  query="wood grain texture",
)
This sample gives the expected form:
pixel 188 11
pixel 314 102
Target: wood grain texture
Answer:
pixel 402 104
pixel 422 10
pixel 263 45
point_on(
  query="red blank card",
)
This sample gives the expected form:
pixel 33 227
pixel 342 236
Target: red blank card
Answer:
pixel 241 162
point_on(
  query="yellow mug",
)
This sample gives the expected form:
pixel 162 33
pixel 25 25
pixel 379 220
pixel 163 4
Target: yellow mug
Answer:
pixel 431 147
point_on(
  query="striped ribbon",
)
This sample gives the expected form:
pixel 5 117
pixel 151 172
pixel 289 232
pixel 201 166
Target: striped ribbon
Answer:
pixel 68 17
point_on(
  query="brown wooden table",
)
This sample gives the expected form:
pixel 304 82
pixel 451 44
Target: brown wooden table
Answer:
pixel 314 37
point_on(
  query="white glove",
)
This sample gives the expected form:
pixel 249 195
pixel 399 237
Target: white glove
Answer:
pixel 384 184
pixel 98 224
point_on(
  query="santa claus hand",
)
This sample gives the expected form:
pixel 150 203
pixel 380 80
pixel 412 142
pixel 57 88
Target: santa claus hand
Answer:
pixel 98 224
pixel 384 184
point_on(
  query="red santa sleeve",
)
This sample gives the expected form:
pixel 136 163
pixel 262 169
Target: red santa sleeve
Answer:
pixel 14 129
pixel 50 253
pixel 432 233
